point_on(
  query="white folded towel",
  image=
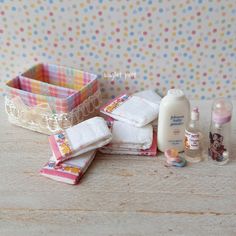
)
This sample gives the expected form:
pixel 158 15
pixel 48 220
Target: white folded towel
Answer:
pixel 81 138
pixel 137 110
pixel 69 171
pixel 130 149
pixel 127 136
pixel 151 96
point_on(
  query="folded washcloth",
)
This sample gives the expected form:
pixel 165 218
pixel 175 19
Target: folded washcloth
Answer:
pixel 152 151
pixel 110 120
pixel 136 110
pixel 127 136
pixel 151 96
pixel 81 138
pixel 70 171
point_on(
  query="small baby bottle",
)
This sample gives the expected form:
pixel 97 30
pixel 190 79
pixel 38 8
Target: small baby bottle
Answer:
pixel 220 131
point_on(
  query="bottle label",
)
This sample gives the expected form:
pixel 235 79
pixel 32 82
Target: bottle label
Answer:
pixel 175 142
pixel 177 129
pixel 217 148
pixel 192 140
pixel 176 120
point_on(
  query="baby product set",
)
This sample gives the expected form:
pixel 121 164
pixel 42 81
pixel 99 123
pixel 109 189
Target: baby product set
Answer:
pixel 65 102
pixel 178 130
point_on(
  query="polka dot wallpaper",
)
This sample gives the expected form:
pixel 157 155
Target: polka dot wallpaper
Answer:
pixel 132 45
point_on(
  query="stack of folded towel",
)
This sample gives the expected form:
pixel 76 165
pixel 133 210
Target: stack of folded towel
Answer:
pixel 128 139
pixel 128 130
pixel 69 171
pixel 74 149
pixel 131 118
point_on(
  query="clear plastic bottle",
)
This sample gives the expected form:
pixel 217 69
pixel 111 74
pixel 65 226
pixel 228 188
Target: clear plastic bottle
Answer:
pixel 192 144
pixel 220 131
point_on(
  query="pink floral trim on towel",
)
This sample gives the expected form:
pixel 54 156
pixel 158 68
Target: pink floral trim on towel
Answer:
pixel 111 106
pixel 61 146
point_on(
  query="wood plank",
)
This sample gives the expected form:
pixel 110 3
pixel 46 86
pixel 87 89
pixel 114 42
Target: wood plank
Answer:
pixel 36 222
pixel 119 195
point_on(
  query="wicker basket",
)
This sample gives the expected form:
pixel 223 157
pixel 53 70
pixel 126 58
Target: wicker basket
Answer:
pixel 48 98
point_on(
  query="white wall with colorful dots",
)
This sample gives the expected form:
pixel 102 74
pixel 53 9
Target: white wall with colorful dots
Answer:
pixel 132 45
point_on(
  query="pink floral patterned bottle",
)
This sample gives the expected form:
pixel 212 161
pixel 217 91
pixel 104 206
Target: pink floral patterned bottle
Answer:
pixel 220 131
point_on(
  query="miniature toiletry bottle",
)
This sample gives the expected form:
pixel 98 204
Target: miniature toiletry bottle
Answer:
pixel 220 131
pixel 172 120
pixel 192 138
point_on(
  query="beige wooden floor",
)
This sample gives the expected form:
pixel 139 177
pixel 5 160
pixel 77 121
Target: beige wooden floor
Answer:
pixel 119 195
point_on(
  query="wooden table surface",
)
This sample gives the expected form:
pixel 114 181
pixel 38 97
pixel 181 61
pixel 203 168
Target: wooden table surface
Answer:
pixel 119 195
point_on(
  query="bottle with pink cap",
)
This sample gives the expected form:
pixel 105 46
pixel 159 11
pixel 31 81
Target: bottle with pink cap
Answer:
pixel 220 131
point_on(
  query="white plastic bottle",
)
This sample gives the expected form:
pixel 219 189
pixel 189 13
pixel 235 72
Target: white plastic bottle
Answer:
pixel 173 117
